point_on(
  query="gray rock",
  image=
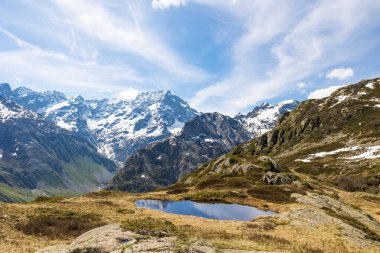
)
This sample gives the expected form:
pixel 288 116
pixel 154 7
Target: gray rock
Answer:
pixel 338 207
pixel 278 178
pixel 273 164
pixel 113 239
pixel 324 211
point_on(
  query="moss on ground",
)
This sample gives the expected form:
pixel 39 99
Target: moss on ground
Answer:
pixel 150 226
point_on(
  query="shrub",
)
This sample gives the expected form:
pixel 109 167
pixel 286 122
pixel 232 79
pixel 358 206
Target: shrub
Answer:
pixel 125 211
pixel 238 183
pixel 48 199
pixel 233 159
pixel 211 181
pixel 357 183
pixel 150 226
pixel 213 196
pixel 57 224
pixel 270 193
pixel 177 191
pixel 262 226
pixel 102 193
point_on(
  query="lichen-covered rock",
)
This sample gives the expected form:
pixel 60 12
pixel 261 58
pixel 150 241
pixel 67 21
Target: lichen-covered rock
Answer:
pixel 113 239
pixel 272 164
pixel 278 178
pixel 353 224
pixel 338 207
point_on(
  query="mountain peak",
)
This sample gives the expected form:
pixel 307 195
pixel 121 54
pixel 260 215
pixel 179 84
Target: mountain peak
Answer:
pixel 153 95
pixel 23 91
pixel 264 117
pixel 77 98
pixel 117 127
pixel 5 89
pixel 263 105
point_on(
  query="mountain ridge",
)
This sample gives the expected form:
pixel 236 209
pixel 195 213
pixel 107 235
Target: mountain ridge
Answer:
pixel 117 127
pixel 206 137
pixel 36 155
pixel 334 140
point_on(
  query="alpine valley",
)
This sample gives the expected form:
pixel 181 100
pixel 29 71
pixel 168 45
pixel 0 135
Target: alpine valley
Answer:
pixel 113 130
pixel 307 174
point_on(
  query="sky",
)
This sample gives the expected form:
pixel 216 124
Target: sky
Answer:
pixel 224 56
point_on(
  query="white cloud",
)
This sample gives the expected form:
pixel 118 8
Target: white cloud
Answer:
pixel 322 93
pixel 34 64
pixel 86 46
pixel 301 85
pixel 297 44
pixel 165 4
pixel 128 34
pixel 340 73
pixel 128 94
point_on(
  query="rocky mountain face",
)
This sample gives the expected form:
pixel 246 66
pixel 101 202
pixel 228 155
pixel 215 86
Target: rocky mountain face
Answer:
pixel 120 128
pixel 117 128
pixel 335 139
pixel 264 118
pixel 205 137
pixel 316 152
pixel 37 157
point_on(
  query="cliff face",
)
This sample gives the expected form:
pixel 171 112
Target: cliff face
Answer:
pixel 163 163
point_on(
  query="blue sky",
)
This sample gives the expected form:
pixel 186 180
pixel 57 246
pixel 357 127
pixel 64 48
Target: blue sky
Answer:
pixel 221 56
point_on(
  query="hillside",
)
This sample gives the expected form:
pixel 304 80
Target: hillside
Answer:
pixel 334 140
pixel 38 158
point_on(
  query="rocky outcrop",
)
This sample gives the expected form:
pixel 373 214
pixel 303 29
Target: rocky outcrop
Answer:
pixel 278 178
pixel 339 208
pixel 335 139
pixel 113 239
pixel 353 224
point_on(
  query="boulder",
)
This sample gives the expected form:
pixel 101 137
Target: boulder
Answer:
pixel 271 163
pixel 278 178
pixel 113 239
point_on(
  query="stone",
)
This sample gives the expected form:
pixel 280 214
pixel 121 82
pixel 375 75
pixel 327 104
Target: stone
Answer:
pixel 113 239
pixel 278 178
pixel 273 164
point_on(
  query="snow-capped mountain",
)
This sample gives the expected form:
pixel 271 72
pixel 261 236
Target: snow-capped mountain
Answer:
pixel 9 110
pixel 203 138
pixel 37 155
pixel 264 118
pixel 117 127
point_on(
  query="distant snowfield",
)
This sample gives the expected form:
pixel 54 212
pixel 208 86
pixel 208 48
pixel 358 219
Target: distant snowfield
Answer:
pixel 371 152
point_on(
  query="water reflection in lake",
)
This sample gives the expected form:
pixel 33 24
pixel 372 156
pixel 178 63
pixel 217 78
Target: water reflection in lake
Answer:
pixel 216 211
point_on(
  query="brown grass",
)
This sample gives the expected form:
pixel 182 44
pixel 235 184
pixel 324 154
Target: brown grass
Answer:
pixel 224 234
pixel 56 224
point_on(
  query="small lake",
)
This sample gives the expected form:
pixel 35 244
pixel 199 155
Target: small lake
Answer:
pixel 216 211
